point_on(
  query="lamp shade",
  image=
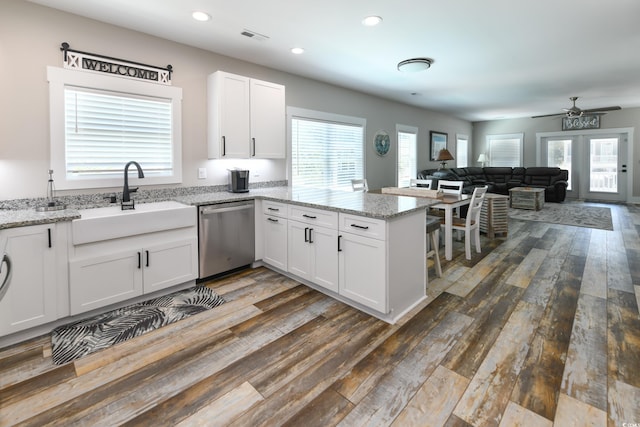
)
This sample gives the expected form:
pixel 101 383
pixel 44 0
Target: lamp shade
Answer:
pixel 482 158
pixel 444 155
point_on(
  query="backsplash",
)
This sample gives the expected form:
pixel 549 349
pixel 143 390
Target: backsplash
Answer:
pixel 86 201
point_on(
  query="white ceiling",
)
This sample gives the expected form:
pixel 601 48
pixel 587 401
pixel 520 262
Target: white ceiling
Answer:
pixel 493 59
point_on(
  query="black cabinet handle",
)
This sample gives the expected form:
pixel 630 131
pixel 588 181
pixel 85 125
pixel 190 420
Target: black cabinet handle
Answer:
pixel 309 216
pixel 306 230
pixel 254 147
pixel 310 236
pixel 274 209
pixel 147 258
pixel 49 236
pixel 139 260
pixel 339 241
pixel 224 146
pixel 272 219
pixel 360 226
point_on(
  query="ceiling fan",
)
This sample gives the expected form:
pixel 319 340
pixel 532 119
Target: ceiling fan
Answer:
pixel 577 112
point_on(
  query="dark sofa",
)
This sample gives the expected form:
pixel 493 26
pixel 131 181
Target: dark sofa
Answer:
pixel 501 179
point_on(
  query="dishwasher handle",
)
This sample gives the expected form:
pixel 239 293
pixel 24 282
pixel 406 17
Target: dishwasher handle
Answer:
pixel 5 284
pixel 213 210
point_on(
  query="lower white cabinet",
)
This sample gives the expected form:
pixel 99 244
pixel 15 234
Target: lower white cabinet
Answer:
pixel 274 233
pixel 100 274
pixel 313 253
pixel 363 275
pixel 37 258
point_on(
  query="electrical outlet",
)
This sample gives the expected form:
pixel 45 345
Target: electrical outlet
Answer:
pixel 256 174
pixel 202 173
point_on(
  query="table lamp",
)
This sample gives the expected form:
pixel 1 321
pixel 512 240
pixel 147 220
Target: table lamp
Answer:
pixel 443 156
pixel 482 159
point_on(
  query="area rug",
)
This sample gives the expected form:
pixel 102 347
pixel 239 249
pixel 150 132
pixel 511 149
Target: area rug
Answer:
pixel 72 341
pixel 568 213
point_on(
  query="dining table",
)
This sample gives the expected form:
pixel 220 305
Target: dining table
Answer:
pixel 448 203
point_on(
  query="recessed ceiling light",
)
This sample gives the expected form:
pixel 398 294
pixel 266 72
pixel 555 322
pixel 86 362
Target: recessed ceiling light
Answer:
pixel 415 65
pixel 297 50
pixel 201 16
pixel 371 21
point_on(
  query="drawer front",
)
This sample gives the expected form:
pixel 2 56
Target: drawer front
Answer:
pixel 274 208
pixel 314 216
pixel 363 226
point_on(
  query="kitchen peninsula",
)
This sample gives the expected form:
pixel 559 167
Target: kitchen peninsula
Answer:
pixel 364 249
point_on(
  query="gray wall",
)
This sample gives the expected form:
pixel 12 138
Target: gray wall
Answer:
pixel 626 118
pixel 31 36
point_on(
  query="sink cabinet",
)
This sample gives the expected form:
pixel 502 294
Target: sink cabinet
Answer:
pixel 100 280
pixel 246 117
pixel 39 255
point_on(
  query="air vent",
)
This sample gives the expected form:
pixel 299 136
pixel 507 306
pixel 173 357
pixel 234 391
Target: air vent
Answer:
pixel 254 35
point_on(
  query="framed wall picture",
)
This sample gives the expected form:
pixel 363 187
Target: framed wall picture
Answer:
pixel 381 143
pixel 438 142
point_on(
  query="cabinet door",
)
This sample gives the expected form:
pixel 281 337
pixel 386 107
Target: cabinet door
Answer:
pixel 324 242
pixel 31 296
pixel 267 120
pixel 99 281
pixel 363 271
pixel 232 99
pixel 170 264
pixel 299 258
pixel 275 241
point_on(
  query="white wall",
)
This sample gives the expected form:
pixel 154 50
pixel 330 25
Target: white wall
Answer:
pixel 626 118
pixel 30 38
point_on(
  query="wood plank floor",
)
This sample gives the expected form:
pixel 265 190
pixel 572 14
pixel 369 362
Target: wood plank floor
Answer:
pixel 540 329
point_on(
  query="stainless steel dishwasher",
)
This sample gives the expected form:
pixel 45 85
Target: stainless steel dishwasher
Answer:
pixel 226 237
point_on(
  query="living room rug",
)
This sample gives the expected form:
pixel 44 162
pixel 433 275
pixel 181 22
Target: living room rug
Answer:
pixel 72 341
pixel 568 213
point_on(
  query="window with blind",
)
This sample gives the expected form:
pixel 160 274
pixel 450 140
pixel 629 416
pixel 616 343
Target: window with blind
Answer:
pixel 326 149
pixel 462 151
pixel 505 150
pixel 407 149
pixel 99 123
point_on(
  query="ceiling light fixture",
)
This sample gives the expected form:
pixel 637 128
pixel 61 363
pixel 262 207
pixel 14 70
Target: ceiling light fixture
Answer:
pixel 371 21
pixel 415 65
pixel 201 16
pixel 297 50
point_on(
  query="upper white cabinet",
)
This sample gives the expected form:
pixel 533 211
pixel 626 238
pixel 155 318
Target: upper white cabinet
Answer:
pixel 246 117
pixel 38 258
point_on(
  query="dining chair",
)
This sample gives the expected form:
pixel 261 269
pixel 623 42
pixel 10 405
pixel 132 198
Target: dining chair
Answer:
pixel 450 187
pixel 471 224
pixel 420 183
pixel 359 185
pixel 433 239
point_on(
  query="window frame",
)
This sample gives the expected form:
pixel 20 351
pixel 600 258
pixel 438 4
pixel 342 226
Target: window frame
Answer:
pixel 498 137
pixel 59 78
pixel 408 130
pixel 321 116
pixel 459 151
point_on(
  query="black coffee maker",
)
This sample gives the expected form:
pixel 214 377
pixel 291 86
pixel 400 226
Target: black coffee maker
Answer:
pixel 238 180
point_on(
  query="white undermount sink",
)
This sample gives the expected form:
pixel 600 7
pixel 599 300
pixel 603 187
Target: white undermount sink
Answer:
pixel 112 222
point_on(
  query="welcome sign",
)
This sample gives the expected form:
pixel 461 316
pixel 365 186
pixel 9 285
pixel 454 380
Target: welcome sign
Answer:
pixel 77 60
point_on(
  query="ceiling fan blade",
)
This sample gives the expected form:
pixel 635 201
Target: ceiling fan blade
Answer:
pixel 597 110
pixel 548 115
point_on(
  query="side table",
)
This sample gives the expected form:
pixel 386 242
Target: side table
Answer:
pixel 526 198
pixel 494 216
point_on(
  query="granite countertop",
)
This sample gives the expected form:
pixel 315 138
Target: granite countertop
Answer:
pixel 381 206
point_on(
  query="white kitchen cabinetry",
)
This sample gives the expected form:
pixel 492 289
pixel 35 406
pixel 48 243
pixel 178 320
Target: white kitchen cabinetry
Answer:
pixel 107 272
pixel 38 255
pixel 274 229
pixel 363 267
pixel 313 246
pixel 246 117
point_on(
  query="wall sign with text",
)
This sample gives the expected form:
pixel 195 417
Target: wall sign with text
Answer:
pixel 581 122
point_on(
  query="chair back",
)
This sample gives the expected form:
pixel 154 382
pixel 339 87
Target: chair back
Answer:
pixel 450 187
pixel 359 185
pixel 420 183
pixel 477 198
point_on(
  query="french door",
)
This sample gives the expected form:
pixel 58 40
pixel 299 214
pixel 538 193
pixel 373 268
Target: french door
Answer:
pixel 597 163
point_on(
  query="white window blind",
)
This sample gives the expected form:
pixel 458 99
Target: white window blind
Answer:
pixel 104 130
pixel 325 154
pixel 406 157
pixel 505 150
pixel 462 150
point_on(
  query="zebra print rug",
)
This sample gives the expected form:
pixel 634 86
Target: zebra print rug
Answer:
pixel 72 341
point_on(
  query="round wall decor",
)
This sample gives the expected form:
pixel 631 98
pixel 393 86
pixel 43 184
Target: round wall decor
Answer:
pixel 382 143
